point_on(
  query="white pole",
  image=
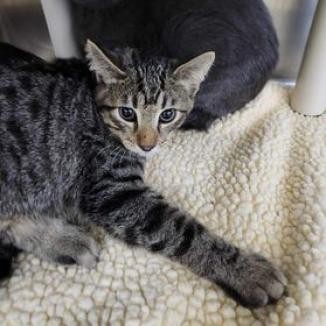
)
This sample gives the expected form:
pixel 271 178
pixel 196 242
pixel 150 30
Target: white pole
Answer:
pixel 309 95
pixel 60 24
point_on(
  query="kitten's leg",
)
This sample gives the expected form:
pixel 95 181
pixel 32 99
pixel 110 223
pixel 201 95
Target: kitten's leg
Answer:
pixel 53 240
pixel 141 217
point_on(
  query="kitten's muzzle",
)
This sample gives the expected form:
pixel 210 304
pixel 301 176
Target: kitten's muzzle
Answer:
pixel 147 139
pixel 146 148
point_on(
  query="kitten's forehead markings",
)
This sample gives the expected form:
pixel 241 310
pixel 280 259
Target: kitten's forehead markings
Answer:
pixel 149 85
pixel 159 99
pixel 141 100
pixel 165 101
pixel 130 101
pixel 157 95
pixel 134 101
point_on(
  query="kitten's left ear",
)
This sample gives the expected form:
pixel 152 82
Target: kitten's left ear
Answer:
pixel 103 67
pixel 193 72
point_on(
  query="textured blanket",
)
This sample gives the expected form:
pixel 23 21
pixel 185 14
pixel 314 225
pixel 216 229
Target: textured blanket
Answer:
pixel 257 178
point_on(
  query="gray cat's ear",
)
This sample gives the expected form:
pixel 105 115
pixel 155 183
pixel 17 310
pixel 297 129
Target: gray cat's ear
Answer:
pixel 193 72
pixel 103 67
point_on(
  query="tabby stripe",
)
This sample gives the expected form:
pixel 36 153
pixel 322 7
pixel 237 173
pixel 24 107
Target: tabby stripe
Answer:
pixel 10 92
pixel 164 101
pixel 188 237
pixel 140 83
pixel 99 185
pixel 117 122
pixel 25 82
pixel 130 236
pixel 15 129
pixel 96 189
pixel 120 165
pixel 128 178
pixel 157 95
pixel 107 175
pixel 199 229
pixel 112 126
pixel 120 199
pixel 157 196
pixel 179 222
pixel 14 155
pixel 154 218
pixel 3 175
pixel 162 77
pixel 230 255
pixel 145 98
pixel 135 101
pixel 36 109
pixel 33 176
pixel 158 246
pixel 234 257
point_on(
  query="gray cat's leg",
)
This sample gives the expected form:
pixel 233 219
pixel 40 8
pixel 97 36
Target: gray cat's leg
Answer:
pixel 53 240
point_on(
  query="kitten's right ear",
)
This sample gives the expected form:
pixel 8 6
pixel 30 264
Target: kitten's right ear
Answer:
pixel 103 67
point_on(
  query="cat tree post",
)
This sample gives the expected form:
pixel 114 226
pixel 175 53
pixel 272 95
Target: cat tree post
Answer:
pixel 309 96
pixel 60 24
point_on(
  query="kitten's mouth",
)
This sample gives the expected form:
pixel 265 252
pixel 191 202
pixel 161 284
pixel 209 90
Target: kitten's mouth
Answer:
pixel 135 148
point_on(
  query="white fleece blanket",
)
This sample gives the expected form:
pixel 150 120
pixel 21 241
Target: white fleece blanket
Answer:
pixel 258 178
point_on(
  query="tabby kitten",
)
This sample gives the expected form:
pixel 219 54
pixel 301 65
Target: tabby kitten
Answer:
pixel 144 99
pixel 63 169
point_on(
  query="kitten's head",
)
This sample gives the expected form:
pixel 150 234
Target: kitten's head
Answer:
pixel 142 101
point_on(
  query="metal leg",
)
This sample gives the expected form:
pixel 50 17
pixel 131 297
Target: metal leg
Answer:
pixel 309 96
pixel 59 20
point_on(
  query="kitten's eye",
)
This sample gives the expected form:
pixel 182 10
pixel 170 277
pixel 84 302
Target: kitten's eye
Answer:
pixel 127 114
pixel 167 115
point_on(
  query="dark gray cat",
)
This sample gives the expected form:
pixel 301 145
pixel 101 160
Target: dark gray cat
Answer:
pixel 240 32
pixel 62 169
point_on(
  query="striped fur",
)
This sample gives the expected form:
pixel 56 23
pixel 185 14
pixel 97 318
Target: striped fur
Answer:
pixel 62 170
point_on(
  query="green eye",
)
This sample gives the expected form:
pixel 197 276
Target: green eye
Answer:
pixel 167 115
pixel 127 114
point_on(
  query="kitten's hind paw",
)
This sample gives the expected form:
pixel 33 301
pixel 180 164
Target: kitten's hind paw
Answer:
pixel 73 247
pixel 257 282
pixel 80 252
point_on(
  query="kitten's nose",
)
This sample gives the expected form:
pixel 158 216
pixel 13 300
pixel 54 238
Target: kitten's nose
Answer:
pixel 147 148
pixel 147 138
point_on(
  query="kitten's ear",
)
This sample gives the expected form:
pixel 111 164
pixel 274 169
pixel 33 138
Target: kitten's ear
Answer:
pixel 103 67
pixel 193 72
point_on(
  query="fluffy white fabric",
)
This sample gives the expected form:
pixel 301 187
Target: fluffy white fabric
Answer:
pixel 258 178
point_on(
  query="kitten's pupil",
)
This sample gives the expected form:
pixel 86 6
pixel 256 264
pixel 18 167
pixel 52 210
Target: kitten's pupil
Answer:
pixel 167 115
pixel 127 114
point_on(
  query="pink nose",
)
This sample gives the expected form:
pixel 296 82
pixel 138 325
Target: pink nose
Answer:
pixel 147 148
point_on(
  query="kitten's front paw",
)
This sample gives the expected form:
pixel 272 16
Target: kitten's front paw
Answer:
pixel 257 281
